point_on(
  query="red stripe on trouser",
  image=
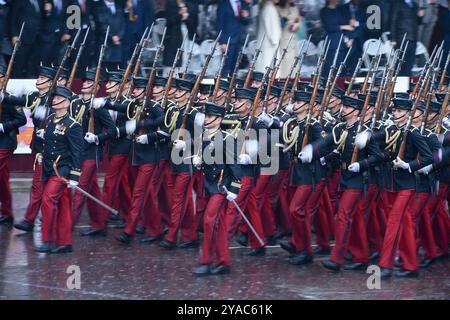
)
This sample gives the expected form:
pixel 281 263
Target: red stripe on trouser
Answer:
pixel 141 195
pixel 37 187
pixel 116 190
pixel 180 216
pixel 88 182
pixel 56 218
pixel 347 209
pixel 363 221
pixel 400 233
pixel 441 224
pixel 247 202
pixel 280 201
pixel 215 243
pixel 321 220
pixel 162 190
pixel 304 204
pixel 5 190
pixel 263 206
pixel 423 227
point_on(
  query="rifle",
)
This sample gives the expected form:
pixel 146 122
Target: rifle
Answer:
pixel 432 66
pixel 315 77
pixel 170 76
pixel 219 73
pixel 193 96
pixel 73 71
pixel 248 79
pixel 443 112
pixel 373 66
pixel 425 68
pixel 10 65
pixel 430 94
pixel 286 83
pixel 444 72
pixel 234 76
pixel 126 74
pixel 314 94
pixel 188 61
pixel 91 128
pixel 355 73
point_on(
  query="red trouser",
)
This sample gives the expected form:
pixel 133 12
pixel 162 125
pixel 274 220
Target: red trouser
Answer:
pixel 280 201
pixel 348 208
pixel 162 190
pixel 141 195
pixel 245 200
pixel 304 204
pixel 400 233
pixel 333 186
pixel 441 223
pixel 367 219
pixel 56 219
pixel 263 205
pixel 88 182
pixel 215 242
pixel 180 216
pixel 37 187
pixel 323 220
pixel 423 228
pixel 116 186
pixel 5 190
pixel 199 205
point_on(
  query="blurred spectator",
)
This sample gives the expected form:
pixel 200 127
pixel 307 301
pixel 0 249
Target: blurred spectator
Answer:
pixel 27 58
pixel 175 12
pixel 429 19
pixel 290 23
pixel 192 21
pixel 139 14
pixel 336 23
pixel 3 27
pixel 269 23
pixel 109 13
pixel 444 22
pixel 55 34
pixel 405 19
pixel 232 15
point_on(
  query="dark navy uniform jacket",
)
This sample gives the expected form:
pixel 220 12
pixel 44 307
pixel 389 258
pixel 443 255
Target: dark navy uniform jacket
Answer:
pixel 119 145
pixel 36 104
pixel 367 157
pixel 150 119
pixel 224 171
pixel 427 182
pixel 306 173
pixel 12 118
pixel 64 139
pixel 104 127
pixel 283 157
pixel 443 167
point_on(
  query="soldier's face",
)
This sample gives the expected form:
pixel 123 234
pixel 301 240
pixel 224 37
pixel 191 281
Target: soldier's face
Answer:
pixel 241 105
pixel 203 97
pixel 43 83
pixel 348 113
pixel 181 96
pixel 432 119
pixel 212 121
pixel 399 115
pixel 60 103
pixel 158 90
pixel 87 87
pixel 112 87
pixel 62 82
pixel 369 113
pixel 138 93
pixel 335 105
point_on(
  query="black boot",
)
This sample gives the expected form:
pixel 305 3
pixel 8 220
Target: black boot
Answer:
pixel 6 220
pixel 189 245
pixel 202 270
pixel 62 249
pixel 301 259
pixel 220 269
pixel 140 230
pixel 242 239
pixel 348 256
pixel 425 263
pixel 151 239
pixel 114 217
pixel 321 252
pixel 355 266
pixel 24 225
pixel 385 273
pixel 93 233
pixel 124 237
pixel 44 247
pixel 271 241
pixel 331 265
pixel 287 246
pixel 406 274
pixel 256 252
pixel 167 244
pixel 374 255
pixel 120 225
pixel 281 235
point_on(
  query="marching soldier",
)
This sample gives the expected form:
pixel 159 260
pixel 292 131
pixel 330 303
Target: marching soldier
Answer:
pixel 11 118
pixel 61 161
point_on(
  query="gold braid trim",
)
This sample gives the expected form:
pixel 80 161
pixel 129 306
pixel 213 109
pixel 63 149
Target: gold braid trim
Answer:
pixel 79 116
pixel 341 142
pixel 292 139
pixel 36 102
pixel 135 113
pixel 391 140
pixel 171 125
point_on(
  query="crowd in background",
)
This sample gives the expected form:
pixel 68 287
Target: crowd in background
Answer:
pixel 46 33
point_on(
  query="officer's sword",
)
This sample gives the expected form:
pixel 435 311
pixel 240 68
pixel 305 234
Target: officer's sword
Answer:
pixel 246 220
pixel 87 194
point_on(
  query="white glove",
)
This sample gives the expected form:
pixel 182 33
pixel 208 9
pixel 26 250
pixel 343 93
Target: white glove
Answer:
pixel 426 170
pixel 72 184
pixel 307 154
pixel 98 103
pixel 264 117
pixel 323 161
pixel 362 139
pixel 130 127
pixel 399 163
pixel 1 128
pixel 197 161
pixel 244 159
pixel 142 139
pixel 445 121
pixel 354 167
pixel 40 133
pixel 179 145
pixel 199 119
pixel 91 138
pixel 289 108
pixel 231 196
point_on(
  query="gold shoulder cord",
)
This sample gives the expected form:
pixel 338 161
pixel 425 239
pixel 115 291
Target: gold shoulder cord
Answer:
pixel 391 140
pixel 173 120
pixel 79 116
pixel 135 114
pixel 292 139
pixel 34 104
pixel 341 142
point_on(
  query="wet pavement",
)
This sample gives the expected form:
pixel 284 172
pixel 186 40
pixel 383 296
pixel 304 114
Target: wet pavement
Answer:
pixel 110 270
